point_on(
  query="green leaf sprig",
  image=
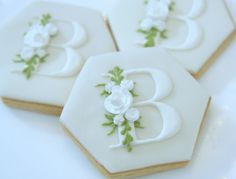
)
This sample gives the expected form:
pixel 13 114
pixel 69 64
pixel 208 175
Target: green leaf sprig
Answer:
pixel 45 19
pixel 30 64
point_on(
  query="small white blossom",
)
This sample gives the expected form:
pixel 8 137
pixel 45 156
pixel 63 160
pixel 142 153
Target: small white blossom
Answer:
pixel 36 37
pixel 127 84
pixel 157 10
pixel 118 119
pixel 132 114
pixel 146 24
pixel 109 86
pixel 51 29
pixel 27 53
pixel 119 101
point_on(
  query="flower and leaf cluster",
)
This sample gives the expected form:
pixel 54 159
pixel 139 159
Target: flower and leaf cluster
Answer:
pixel 154 23
pixel 36 41
pixel 119 94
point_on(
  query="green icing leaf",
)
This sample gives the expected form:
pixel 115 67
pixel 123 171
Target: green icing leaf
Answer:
pixel 143 31
pixel 104 93
pixel 137 124
pixel 116 75
pixel 134 94
pixel 110 123
pixel 151 37
pixel 112 130
pixel 145 1
pixel 163 34
pixel 172 6
pixel 101 85
pixel 45 19
pixel 128 138
pixel 30 65
pixel 110 116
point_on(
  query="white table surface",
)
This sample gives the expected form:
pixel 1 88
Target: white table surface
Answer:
pixel 34 146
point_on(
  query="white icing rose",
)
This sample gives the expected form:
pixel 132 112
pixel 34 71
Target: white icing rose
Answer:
pixel 119 101
pixel 27 53
pixel 146 24
pixel 118 119
pixel 132 114
pixel 40 52
pixel 127 84
pixel 51 29
pixel 160 25
pixel 109 86
pixel 36 37
pixel 157 10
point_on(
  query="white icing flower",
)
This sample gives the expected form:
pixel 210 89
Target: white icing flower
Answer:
pixel 157 10
pixel 27 53
pixel 109 86
pixel 51 29
pixel 37 36
pixel 146 24
pixel 127 84
pixel 132 114
pixel 118 119
pixel 160 25
pixel 40 52
pixel 119 101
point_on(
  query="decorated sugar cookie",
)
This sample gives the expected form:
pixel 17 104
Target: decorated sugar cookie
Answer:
pixel 185 28
pixel 138 112
pixel 44 51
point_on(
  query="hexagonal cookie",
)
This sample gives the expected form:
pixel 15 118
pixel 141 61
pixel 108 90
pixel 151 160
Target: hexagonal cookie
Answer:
pixel 195 31
pixel 44 50
pixel 135 112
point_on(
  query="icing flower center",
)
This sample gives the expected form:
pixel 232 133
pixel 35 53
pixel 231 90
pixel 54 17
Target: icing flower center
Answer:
pixel 119 100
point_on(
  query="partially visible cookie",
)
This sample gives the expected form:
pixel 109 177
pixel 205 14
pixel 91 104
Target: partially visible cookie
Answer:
pixel 43 49
pixel 138 112
pixel 193 31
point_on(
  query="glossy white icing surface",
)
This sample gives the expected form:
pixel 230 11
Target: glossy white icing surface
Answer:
pixel 171 123
pixel 191 29
pixel 79 31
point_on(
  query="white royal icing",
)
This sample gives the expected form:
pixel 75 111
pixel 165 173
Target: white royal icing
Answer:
pixel 120 102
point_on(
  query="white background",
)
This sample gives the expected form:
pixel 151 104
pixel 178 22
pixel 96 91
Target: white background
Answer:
pixel 34 146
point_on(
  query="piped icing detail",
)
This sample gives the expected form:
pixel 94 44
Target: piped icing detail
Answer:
pixel 123 114
pixel 154 24
pixel 37 40
pixel 154 31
